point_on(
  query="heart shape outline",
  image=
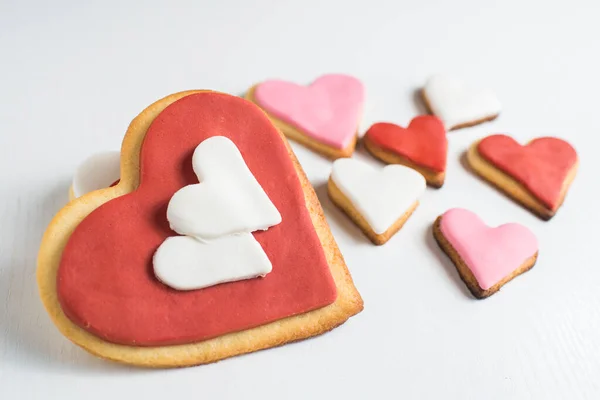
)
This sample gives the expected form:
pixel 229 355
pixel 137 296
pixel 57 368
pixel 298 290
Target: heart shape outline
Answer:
pixel 422 145
pixel 459 105
pixel 380 195
pixel 537 174
pixel 60 230
pixel 490 253
pixel 328 110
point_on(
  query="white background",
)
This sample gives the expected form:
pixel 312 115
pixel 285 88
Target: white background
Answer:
pixel 73 75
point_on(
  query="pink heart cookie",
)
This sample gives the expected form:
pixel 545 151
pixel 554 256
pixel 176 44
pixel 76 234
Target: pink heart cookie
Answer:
pixel 485 257
pixel 327 111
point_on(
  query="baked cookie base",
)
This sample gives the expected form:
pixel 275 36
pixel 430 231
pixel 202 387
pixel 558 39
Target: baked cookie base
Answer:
pixel 513 188
pixel 462 125
pixel 433 178
pixel 465 273
pixel 342 202
pixel 300 137
pixel 347 304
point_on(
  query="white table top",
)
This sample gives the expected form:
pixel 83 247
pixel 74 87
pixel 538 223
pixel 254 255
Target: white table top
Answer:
pixel 73 75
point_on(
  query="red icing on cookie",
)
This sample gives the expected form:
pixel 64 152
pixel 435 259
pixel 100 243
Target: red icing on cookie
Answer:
pixel 105 280
pixel 541 166
pixel 423 142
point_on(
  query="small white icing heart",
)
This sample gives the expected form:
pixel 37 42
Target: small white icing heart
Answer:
pixel 380 195
pixel 228 198
pixel 456 104
pixel 217 216
pixel 98 171
pixel 185 263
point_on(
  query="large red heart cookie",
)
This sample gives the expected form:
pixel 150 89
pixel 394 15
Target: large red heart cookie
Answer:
pixel 96 279
pixel 537 174
pixel 422 146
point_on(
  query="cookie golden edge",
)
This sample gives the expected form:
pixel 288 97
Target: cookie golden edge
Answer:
pixel 467 124
pixel 295 328
pixel 465 272
pixel 511 187
pixel 343 203
pixel 433 178
pixel 300 137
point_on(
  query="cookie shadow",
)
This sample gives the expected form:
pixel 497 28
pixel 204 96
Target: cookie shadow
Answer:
pixel 333 213
pixel 419 102
pixel 32 339
pixel 446 263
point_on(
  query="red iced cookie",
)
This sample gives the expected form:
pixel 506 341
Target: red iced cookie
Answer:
pixel 544 168
pixel 105 283
pixel 422 146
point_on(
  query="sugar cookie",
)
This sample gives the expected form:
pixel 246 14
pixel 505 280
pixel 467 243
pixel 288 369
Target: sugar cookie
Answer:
pixel 486 258
pixel 422 145
pixel 378 200
pixel 95 261
pixel 458 105
pixel 323 116
pixel 98 171
pixel 537 175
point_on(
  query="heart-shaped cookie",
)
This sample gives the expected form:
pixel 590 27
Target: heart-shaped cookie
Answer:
pixel 95 262
pixel 378 200
pixel 458 105
pixel 323 116
pixel 98 171
pixel 538 175
pixel 422 146
pixel 486 258
pixel 228 200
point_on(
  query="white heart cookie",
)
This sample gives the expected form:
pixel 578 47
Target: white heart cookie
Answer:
pixel 98 171
pixel 380 195
pixel 456 104
pixel 228 198
pixel 185 263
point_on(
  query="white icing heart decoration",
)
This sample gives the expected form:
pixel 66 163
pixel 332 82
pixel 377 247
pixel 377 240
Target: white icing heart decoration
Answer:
pixel 228 200
pixel 380 195
pixel 456 104
pixel 217 217
pixel 184 263
pixel 98 171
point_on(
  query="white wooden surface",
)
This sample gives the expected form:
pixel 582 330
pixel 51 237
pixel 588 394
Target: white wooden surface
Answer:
pixel 73 74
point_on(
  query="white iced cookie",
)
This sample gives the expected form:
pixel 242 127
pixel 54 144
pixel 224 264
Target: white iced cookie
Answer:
pixel 98 171
pixel 458 105
pixel 217 217
pixel 379 200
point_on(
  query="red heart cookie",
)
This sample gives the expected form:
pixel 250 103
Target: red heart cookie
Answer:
pixel 105 283
pixel 544 167
pixel 422 145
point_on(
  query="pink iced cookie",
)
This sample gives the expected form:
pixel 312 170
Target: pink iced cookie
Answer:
pixel 486 258
pixel 324 115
